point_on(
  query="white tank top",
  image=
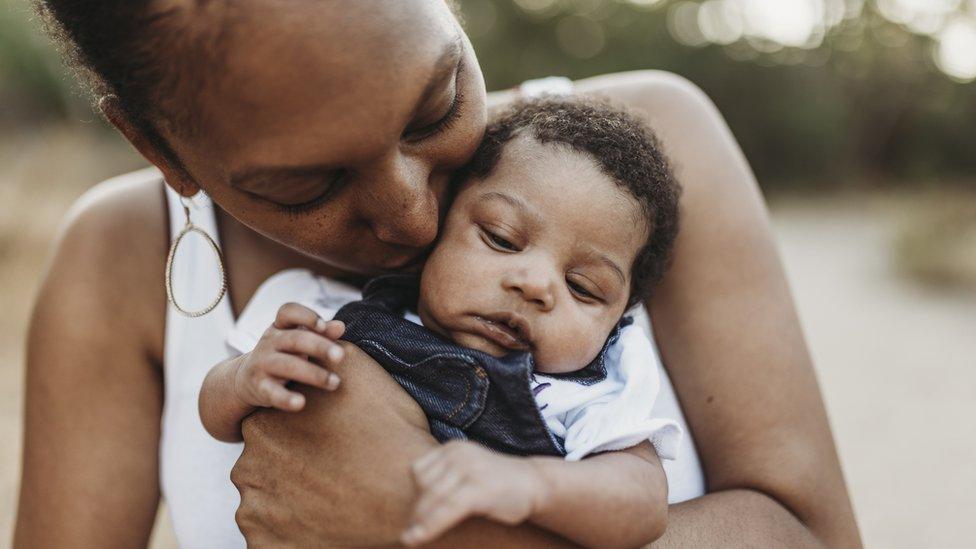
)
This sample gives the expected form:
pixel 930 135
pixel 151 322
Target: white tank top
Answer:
pixel 195 468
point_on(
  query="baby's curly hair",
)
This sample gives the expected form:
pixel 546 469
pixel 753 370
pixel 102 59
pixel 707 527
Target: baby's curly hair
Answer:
pixel 624 148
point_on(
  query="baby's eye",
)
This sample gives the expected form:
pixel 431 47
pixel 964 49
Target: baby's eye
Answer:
pixel 499 242
pixel 580 291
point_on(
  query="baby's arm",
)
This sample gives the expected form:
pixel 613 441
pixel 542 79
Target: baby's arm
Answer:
pixel 235 387
pixel 614 499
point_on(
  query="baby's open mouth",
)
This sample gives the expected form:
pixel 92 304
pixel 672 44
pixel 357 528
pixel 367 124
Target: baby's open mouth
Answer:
pixel 507 330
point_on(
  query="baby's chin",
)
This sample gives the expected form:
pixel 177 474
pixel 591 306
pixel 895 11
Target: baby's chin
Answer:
pixel 559 366
pixel 477 343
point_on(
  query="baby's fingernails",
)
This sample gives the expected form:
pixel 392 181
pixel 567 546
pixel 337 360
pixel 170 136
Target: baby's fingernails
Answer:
pixel 332 383
pixel 320 325
pixel 412 535
pixel 335 354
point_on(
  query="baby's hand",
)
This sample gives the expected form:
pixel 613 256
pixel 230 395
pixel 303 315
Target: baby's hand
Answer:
pixel 464 479
pixel 284 353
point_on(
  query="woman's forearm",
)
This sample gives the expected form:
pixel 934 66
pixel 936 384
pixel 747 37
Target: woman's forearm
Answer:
pixel 735 518
pixel 728 332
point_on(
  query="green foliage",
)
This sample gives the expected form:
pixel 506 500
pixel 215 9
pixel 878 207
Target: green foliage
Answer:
pixel 33 81
pixel 868 104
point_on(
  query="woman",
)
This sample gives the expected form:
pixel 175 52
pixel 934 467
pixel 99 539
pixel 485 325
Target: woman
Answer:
pixel 326 133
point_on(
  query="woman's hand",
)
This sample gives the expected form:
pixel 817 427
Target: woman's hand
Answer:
pixel 338 472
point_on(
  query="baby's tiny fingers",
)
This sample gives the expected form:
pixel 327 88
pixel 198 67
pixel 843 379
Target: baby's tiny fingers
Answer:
pixel 435 494
pixel 311 344
pixel 334 329
pixel 292 368
pixel 432 471
pixel 293 315
pixel 434 523
pixel 278 397
pixel 425 460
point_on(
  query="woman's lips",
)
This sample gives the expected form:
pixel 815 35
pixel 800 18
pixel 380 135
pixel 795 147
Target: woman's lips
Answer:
pixel 505 330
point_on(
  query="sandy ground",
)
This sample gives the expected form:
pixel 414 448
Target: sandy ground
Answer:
pixel 896 361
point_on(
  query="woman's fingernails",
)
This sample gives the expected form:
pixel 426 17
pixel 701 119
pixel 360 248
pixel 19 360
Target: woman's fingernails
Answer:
pixel 295 401
pixel 320 325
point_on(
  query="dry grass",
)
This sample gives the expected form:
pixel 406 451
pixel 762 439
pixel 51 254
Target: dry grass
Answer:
pixel 937 241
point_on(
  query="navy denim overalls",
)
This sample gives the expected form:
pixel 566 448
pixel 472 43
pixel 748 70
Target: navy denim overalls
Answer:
pixel 464 393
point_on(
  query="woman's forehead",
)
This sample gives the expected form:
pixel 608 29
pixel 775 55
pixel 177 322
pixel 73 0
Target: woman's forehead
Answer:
pixel 302 70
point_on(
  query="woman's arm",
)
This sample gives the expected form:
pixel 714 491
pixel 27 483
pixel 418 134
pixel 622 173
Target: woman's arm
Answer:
pixel 729 335
pixel 94 384
pixel 336 473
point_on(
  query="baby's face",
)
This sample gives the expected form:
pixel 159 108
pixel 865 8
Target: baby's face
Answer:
pixel 536 257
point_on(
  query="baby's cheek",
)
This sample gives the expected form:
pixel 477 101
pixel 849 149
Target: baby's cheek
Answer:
pixel 568 350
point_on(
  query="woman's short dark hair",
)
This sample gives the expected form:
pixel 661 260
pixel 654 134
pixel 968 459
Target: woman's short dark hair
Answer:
pixel 140 52
pixel 624 148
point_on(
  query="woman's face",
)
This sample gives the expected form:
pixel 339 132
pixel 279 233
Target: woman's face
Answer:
pixel 333 129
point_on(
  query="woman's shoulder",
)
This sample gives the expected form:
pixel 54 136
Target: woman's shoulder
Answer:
pixel 110 255
pixel 136 198
pixel 119 226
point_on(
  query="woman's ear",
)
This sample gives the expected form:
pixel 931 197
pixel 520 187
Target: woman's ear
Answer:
pixel 175 176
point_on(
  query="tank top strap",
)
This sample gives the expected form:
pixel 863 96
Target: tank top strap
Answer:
pixel 194 467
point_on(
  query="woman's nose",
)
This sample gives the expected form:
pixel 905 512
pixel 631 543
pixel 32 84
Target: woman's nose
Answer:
pixel 401 207
pixel 533 286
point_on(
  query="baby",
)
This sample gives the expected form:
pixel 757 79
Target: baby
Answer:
pixel 514 335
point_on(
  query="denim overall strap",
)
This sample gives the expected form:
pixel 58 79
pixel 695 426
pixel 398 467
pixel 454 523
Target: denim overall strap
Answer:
pixel 464 393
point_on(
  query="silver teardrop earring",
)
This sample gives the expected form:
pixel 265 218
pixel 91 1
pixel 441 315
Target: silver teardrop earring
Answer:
pixel 188 228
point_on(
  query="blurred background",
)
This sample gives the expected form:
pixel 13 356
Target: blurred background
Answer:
pixel 858 116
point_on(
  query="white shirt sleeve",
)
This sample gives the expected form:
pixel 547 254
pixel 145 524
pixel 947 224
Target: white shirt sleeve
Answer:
pixel 615 413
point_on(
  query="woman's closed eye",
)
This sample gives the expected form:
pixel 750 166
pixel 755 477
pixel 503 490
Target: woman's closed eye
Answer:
pixel 326 191
pixel 421 130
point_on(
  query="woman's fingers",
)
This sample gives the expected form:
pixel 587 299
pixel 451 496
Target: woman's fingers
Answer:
pixel 302 342
pixel 277 396
pixel 292 368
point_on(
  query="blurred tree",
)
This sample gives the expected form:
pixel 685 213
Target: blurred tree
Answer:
pixel 858 100
pixel 819 92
